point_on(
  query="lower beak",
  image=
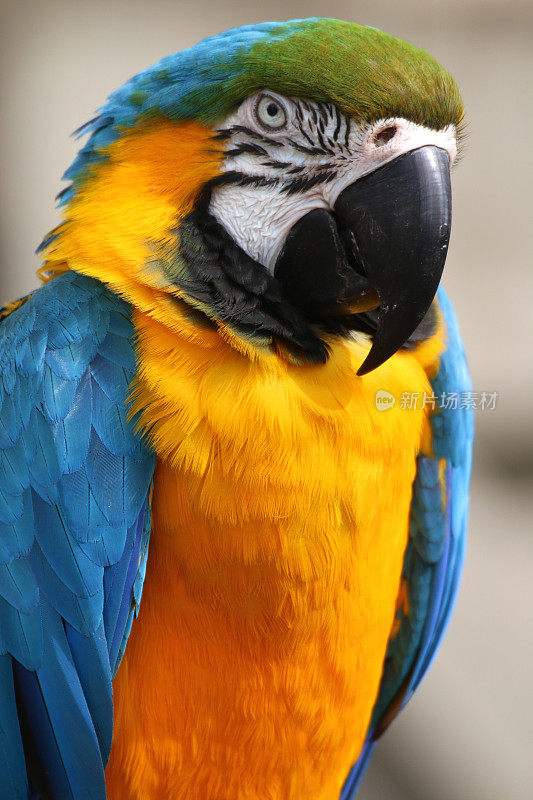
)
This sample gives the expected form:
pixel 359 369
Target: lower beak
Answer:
pixel 389 233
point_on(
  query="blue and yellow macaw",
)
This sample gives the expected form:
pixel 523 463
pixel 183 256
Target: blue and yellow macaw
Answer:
pixel 236 356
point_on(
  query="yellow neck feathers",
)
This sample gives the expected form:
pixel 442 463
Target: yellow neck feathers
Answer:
pixel 274 423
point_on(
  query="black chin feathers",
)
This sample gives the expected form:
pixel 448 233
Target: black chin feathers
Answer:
pixel 228 285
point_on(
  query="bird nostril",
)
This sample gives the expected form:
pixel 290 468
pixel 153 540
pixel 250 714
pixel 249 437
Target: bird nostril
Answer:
pixel 385 135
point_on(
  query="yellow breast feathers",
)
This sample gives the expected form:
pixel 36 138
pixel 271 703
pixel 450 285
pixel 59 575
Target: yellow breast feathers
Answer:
pixel 280 520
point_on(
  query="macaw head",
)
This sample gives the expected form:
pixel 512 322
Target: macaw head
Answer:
pixel 287 183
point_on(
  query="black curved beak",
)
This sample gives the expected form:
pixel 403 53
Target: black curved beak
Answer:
pixel 400 217
pixel 385 244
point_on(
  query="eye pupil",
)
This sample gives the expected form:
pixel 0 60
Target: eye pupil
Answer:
pixel 270 114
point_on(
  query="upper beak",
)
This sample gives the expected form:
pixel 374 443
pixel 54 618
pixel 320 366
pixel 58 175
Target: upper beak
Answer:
pixel 389 232
pixel 400 217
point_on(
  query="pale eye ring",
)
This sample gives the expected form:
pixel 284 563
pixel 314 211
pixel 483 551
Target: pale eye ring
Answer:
pixel 270 113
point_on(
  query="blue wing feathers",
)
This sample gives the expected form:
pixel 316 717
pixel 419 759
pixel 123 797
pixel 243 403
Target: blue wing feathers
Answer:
pixel 82 612
pixel 82 513
pixel 13 783
pixel 111 424
pixel 112 381
pixel 62 732
pixel 355 776
pixel 139 579
pixel 91 658
pixel 58 395
pixel 118 350
pixel 452 441
pixel 435 553
pixel 118 607
pixel 132 553
pixel 16 537
pixel 74 523
pixel 18 585
pixel 21 634
pixel 14 475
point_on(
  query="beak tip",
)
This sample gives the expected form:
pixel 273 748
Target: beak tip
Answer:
pixel 368 365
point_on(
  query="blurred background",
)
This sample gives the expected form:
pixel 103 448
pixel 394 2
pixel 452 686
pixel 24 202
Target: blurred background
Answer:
pixel 468 734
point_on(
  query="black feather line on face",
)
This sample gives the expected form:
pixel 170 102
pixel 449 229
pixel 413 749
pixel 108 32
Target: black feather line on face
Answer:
pixel 223 134
pixel 338 121
pixel 347 132
pixel 279 165
pixel 310 151
pixel 241 179
pixel 246 147
pixel 302 184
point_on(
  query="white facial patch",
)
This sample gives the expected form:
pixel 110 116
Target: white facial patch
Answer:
pixel 259 218
pixel 277 173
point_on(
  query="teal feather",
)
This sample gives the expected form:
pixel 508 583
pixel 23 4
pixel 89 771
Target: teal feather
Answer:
pixel 11 507
pixel 44 468
pixel 67 330
pixel 121 325
pixel 71 362
pixel 22 393
pixel 91 659
pixel 34 353
pixel 18 585
pixel 119 350
pixel 82 514
pixel 72 432
pixel 58 394
pixel 107 548
pixel 21 634
pixel 112 381
pixel 10 422
pixel 13 781
pixel 16 538
pixel 116 483
pixel 56 689
pixel 83 612
pixel 14 473
pixel 111 423
pixel 58 544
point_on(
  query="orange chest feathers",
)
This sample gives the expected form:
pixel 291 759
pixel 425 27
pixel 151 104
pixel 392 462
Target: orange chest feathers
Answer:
pixel 279 523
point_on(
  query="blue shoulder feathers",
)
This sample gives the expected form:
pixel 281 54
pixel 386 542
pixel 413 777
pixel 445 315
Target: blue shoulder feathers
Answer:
pixel 74 527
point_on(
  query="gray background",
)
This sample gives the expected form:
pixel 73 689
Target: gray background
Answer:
pixel 468 733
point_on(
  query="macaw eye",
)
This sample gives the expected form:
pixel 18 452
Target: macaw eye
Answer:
pixel 270 113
